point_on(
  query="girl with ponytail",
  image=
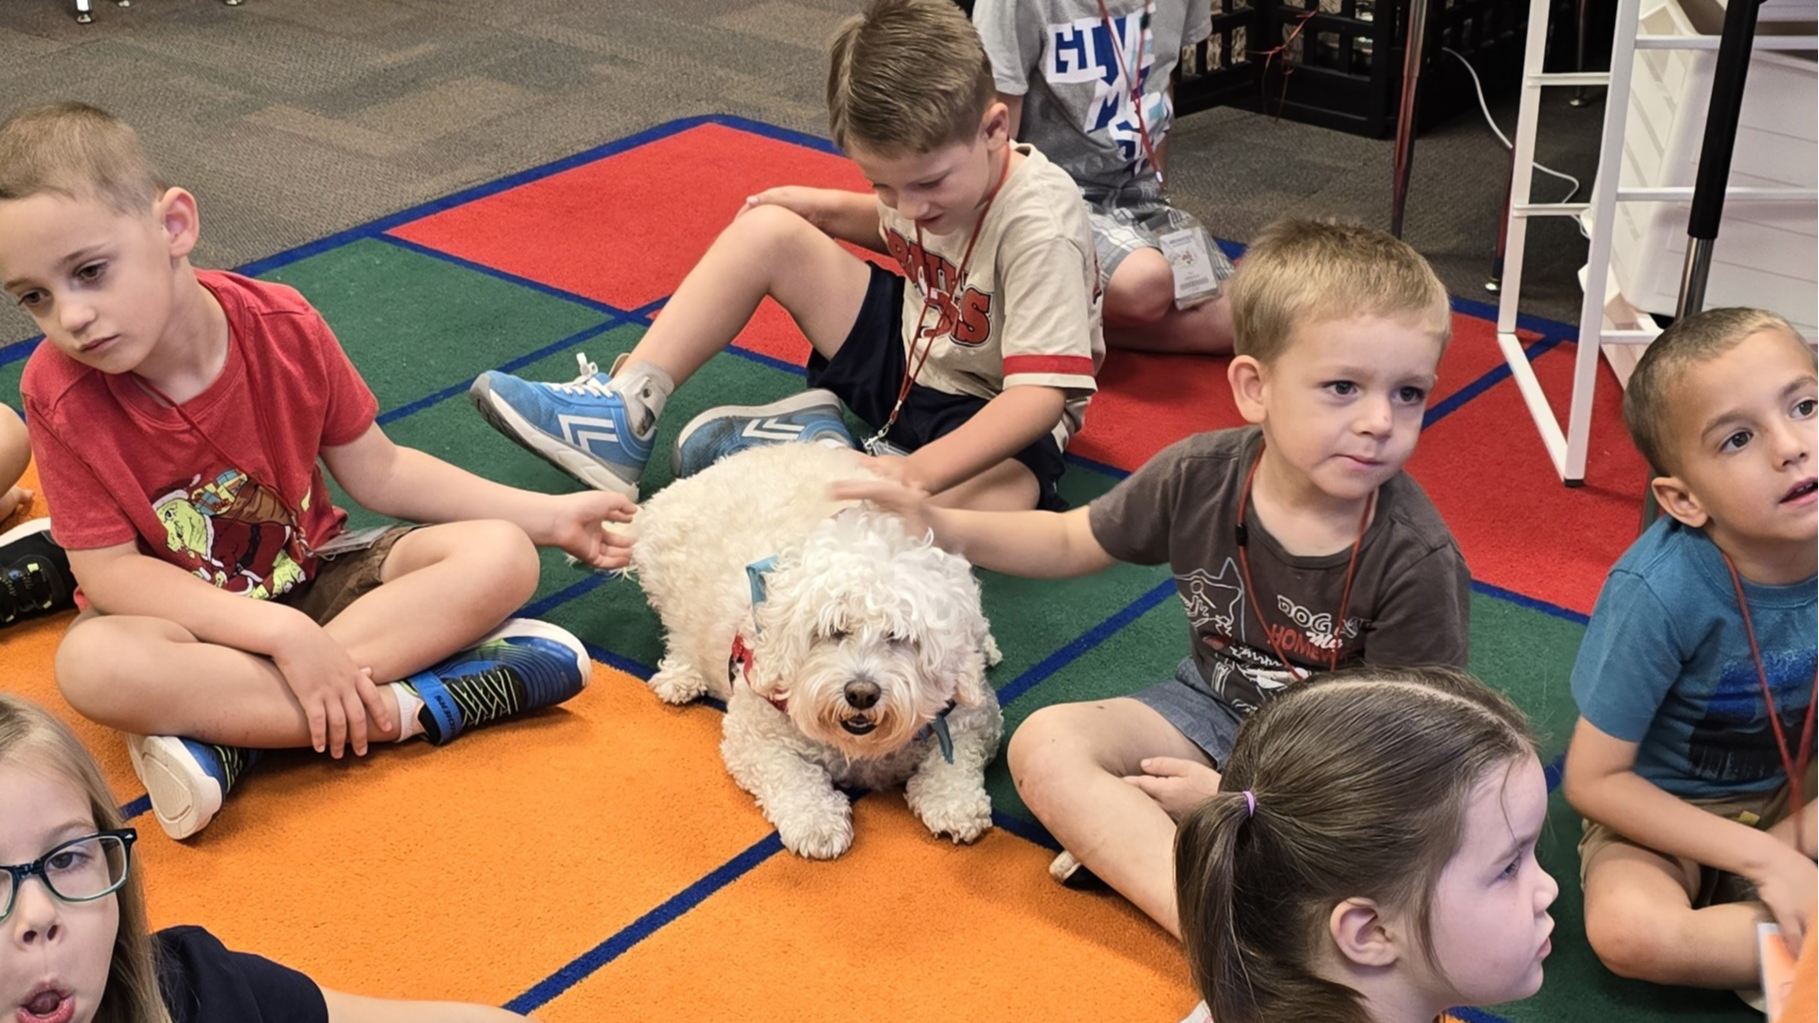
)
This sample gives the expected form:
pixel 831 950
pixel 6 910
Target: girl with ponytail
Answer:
pixel 1370 857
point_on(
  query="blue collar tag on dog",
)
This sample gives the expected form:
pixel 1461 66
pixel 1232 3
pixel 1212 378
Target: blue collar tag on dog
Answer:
pixel 938 726
pixel 754 573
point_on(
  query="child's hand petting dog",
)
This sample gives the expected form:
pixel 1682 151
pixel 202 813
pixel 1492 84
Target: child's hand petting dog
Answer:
pixel 1178 785
pixel 579 528
pixel 891 489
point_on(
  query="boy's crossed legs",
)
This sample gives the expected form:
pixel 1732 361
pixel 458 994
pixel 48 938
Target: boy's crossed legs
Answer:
pixel 1648 918
pixel 439 590
pixel 1070 762
pixel 767 251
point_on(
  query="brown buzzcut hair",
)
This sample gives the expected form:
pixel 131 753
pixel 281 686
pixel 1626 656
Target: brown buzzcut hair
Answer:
pixel 1302 271
pixel 907 76
pixel 79 152
pixel 1361 780
pixel 1648 398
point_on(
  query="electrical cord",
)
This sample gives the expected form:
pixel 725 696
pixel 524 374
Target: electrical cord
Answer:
pixel 1478 87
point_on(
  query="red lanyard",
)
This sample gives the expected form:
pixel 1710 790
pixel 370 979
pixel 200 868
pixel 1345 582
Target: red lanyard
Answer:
pixel 229 460
pixel 912 364
pixel 1136 87
pixel 1796 768
pixel 1250 589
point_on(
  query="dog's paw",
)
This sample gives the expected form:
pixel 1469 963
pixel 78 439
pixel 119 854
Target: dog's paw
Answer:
pixel 818 833
pixel 992 654
pixel 675 684
pixel 962 818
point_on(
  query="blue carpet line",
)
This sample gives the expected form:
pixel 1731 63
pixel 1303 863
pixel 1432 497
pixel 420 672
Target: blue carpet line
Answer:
pixel 507 276
pixel 630 665
pixel 1553 770
pixel 1094 636
pixel 1467 1014
pixel 508 367
pixel 19 349
pixel 773 131
pixel 1501 372
pixel 480 191
pixel 545 604
pixel 1532 603
pixel 1471 307
pixel 584 965
pixel 1030 831
pixel 1556 329
pixel 1102 468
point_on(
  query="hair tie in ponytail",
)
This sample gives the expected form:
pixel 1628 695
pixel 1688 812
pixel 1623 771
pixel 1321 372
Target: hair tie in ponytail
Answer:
pixel 1250 803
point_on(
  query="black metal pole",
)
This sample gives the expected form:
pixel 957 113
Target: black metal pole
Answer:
pixel 1728 78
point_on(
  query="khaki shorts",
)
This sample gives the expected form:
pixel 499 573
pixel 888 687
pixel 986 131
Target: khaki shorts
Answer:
pixel 340 580
pixel 1759 810
pixel 344 578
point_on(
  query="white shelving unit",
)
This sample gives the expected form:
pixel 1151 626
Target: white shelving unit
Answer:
pixel 1567 447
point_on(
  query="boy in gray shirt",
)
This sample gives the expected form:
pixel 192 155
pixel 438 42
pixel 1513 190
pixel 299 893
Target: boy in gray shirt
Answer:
pixel 1089 84
pixel 1297 544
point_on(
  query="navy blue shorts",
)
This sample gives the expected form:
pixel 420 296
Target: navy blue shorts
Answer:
pixel 867 372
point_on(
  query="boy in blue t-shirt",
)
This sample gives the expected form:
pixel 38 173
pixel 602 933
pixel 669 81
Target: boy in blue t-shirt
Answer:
pixel 1690 750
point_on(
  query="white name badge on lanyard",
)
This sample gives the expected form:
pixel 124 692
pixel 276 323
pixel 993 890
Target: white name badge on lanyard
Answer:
pixel 1190 257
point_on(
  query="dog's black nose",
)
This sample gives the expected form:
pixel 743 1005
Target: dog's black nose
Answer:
pixel 861 694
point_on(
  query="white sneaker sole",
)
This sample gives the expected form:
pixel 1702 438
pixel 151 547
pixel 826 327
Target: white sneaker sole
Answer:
pixel 25 529
pixel 584 664
pixel 802 402
pixel 184 798
pixel 506 420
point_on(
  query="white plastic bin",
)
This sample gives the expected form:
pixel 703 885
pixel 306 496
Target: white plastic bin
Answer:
pixel 1766 254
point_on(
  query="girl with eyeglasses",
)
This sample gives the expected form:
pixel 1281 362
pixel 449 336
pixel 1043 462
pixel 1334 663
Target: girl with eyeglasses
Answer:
pixel 76 947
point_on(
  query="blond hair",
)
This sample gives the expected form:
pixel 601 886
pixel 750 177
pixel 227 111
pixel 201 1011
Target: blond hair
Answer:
pixel 907 76
pixel 30 737
pixel 1299 272
pixel 1648 397
pixel 1360 782
pixel 78 152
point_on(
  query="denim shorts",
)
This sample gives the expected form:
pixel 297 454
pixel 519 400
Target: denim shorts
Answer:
pixel 1189 704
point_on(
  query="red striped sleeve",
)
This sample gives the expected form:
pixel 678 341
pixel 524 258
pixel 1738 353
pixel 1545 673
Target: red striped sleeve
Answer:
pixel 1056 365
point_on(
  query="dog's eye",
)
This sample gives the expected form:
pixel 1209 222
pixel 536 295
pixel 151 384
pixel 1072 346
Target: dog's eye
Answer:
pixel 837 635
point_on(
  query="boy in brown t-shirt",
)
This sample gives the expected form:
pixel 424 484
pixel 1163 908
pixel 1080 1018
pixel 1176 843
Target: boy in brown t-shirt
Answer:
pixel 1339 333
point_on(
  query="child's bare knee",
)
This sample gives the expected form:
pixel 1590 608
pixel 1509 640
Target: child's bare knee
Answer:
pixel 1631 944
pixel 510 559
pixel 770 228
pixel 86 663
pixel 1142 289
pixel 1042 749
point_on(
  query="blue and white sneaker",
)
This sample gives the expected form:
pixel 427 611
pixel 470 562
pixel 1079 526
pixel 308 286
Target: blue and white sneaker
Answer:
pixel 186 780
pixel 524 665
pixel 812 417
pixel 585 427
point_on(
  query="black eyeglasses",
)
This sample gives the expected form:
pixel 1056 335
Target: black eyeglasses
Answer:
pixel 79 870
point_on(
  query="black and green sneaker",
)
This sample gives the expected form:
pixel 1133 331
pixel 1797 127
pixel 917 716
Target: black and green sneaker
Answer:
pixel 524 665
pixel 34 573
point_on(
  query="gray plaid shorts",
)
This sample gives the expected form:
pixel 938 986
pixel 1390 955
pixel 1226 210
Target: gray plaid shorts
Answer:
pixel 1127 219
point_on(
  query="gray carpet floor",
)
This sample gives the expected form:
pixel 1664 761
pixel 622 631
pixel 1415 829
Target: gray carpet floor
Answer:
pixel 293 119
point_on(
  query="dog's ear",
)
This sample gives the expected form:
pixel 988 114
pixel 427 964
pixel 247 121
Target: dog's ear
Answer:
pixel 782 640
pixel 970 688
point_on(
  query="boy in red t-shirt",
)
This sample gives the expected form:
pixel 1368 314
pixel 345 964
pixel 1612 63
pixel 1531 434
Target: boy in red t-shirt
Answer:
pixel 177 417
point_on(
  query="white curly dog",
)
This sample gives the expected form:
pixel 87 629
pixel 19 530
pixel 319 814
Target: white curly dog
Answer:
pixel 848 661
